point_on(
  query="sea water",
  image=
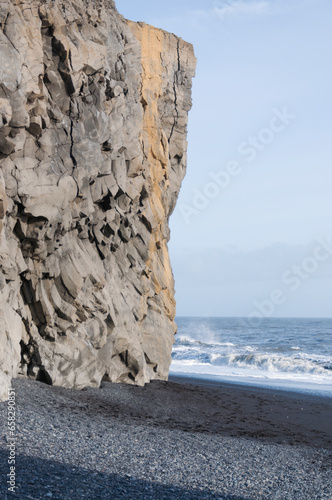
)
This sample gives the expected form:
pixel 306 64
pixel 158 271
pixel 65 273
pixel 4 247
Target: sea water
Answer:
pixel 294 354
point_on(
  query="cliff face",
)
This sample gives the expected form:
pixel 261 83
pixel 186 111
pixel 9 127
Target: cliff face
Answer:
pixel 93 116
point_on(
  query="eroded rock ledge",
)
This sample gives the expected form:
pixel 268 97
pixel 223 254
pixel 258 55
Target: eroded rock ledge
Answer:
pixel 93 117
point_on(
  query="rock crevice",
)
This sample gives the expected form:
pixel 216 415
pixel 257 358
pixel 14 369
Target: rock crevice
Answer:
pixel 93 125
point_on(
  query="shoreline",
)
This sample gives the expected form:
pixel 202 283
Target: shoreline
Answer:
pixel 191 378
pixel 262 413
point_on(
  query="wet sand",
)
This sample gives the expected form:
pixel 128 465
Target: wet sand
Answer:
pixel 277 416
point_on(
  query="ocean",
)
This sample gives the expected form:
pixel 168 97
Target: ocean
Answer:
pixel 288 354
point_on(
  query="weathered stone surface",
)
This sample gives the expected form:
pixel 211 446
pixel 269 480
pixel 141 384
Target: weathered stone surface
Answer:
pixel 93 116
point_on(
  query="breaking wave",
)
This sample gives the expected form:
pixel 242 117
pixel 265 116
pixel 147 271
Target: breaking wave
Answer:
pixel 289 350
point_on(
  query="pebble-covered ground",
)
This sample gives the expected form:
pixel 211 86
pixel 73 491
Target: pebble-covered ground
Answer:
pixel 64 451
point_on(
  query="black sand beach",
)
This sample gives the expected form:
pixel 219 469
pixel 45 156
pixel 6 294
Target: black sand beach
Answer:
pixel 277 416
pixel 169 440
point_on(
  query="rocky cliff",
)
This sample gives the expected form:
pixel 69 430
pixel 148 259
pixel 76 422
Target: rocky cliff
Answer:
pixel 93 117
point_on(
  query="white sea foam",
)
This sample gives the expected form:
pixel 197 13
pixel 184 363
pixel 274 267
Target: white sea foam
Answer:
pixel 320 358
pixel 286 351
pixel 272 363
pixel 189 340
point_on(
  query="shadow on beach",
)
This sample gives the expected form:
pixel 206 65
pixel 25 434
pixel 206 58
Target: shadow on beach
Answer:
pixel 40 479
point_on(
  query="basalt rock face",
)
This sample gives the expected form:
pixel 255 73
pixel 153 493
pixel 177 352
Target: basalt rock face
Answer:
pixel 93 116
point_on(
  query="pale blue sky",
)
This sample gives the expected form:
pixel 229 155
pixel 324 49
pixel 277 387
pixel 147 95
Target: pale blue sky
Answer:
pixel 254 57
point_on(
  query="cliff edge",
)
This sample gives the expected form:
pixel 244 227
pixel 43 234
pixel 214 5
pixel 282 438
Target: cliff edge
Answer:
pixel 93 124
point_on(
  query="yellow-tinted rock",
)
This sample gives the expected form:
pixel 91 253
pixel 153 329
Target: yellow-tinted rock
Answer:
pixel 93 153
